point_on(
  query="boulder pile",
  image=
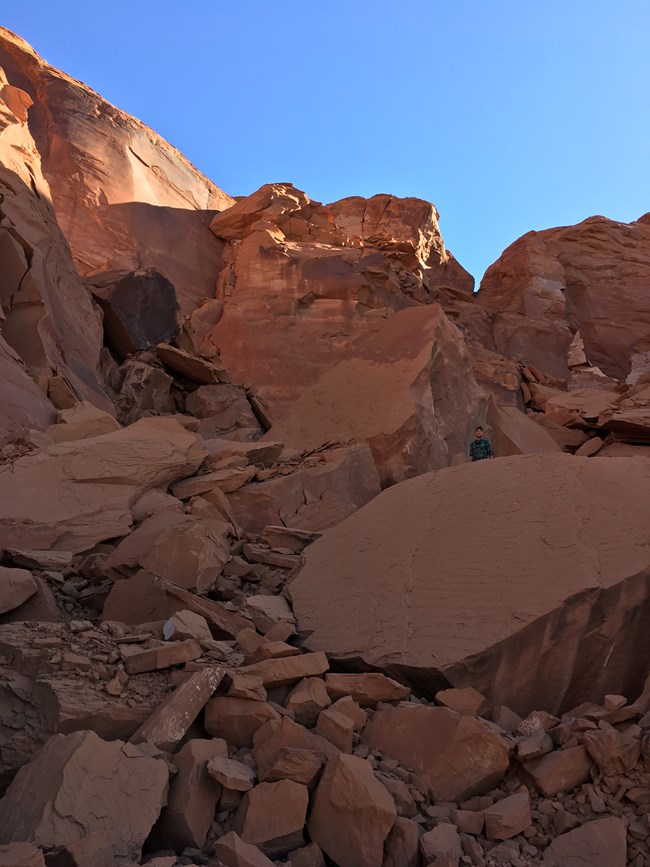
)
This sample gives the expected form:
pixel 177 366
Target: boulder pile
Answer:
pixel 255 606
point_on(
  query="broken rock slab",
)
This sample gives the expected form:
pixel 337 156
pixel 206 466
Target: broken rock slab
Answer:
pixel 509 611
pixel 601 843
pixel 367 689
pixel 456 755
pixel 407 390
pixel 171 720
pixel 313 497
pixel 77 784
pixel 77 494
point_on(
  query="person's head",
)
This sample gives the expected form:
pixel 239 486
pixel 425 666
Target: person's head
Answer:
pixel 479 432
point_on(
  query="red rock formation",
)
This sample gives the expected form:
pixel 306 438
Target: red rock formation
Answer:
pixel 549 285
pixel 132 196
pixel 48 320
pixel 305 279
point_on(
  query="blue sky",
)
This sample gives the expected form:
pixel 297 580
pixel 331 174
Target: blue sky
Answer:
pixel 509 116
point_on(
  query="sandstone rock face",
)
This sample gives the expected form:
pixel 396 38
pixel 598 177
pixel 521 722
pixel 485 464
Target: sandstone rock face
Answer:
pixel 78 784
pixel 408 391
pixel 549 285
pixel 474 585
pixel 49 326
pixel 79 493
pixel 328 272
pixel 352 813
pixel 132 216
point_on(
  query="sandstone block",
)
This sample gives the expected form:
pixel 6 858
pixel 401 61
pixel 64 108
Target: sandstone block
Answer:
pixel 307 699
pixel 237 719
pixel 352 813
pixel 602 843
pixel 79 493
pixel 337 728
pixel 288 670
pixel 359 560
pixel 193 796
pixel 284 749
pixel 456 755
pixel 559 771
pixel 466 700
pixel 186 624
pixel 403 844
pixel 508 817
pixel 105 786
pixel 231 774
pixel 171 720
pixel 165 656
pixel 441 847
pixel 273 815
pixel 93 850
pixel 366 689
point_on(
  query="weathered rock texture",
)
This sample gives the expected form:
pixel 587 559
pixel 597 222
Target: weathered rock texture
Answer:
pixel 408 391
pixel 305 279
pixel 549 285
pixel 49 327
pixel 131 214
pixel 514 576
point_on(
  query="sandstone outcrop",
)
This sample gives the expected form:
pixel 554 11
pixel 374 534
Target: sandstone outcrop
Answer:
pixel 407 390
pixel 49 326
pixel 550 543
pixel 190 443
pixel 329 272
pixel 550 285
pixel 132 216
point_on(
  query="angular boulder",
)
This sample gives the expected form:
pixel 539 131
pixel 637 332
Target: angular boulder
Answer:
pixel 77 784
pixel 513 576
pixel 352 813
pixel 456 755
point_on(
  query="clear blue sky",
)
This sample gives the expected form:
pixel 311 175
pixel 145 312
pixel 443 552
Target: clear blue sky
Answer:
pixel 509 115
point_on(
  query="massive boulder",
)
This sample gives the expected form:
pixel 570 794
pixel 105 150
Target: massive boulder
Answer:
pixel 408 390
pixel 549 285
pixel 303 280
pixel 515 576
pixel 133 215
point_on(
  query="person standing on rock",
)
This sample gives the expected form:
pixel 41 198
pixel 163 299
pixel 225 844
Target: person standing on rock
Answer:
pixel 481 448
